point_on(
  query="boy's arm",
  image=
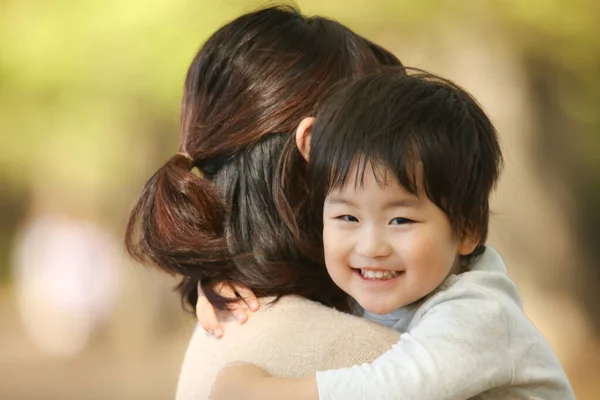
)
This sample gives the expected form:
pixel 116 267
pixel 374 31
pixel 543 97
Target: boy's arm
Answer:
pixel 459 349
pixel 249 382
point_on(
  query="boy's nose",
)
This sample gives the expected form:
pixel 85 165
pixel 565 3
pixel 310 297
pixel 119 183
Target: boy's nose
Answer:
pixel 373 244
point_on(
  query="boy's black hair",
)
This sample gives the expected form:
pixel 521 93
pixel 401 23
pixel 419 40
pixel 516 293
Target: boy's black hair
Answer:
pixel 406 122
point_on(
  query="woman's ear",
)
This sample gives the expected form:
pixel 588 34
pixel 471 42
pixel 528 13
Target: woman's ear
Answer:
pixel 303 133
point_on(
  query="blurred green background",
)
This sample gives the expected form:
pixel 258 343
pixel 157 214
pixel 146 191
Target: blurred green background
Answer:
pixel 89 103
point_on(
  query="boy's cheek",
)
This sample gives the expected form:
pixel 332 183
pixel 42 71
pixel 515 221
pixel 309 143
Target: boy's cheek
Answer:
pixel 336 241
pixel 329 233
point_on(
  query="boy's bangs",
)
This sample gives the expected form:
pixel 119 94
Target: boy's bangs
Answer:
pixel 351 158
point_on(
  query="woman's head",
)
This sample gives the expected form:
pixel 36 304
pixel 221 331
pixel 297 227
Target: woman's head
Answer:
pixel 246 90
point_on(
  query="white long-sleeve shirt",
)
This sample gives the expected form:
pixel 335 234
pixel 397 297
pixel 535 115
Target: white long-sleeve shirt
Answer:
pixel 468 339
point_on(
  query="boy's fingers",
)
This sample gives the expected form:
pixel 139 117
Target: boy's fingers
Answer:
pixel 236 308
pixel 248 296
pixel 207 317
pixel 239 313
pixel 224 289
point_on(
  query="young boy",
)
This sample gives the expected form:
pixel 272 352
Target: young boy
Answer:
pixel 402 167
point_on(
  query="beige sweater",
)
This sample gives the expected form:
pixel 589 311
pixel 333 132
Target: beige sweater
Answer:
pixel 294 337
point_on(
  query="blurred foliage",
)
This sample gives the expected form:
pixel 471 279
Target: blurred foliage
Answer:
pixel 89 91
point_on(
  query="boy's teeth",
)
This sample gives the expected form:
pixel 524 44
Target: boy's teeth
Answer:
pixel 379 274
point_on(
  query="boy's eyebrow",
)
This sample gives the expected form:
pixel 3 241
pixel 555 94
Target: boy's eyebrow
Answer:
pixel 339 200
pixel 405 203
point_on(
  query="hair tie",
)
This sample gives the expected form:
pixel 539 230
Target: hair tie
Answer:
pixel 189 160
pixel 185 154
pixel 212 165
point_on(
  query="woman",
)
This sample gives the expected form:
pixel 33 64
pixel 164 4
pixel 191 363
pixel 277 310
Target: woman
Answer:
pixel 240 219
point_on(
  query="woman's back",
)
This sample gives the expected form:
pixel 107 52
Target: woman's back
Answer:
pixel 294 337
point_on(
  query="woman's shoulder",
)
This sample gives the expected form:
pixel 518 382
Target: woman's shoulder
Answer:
pixel 290 337
pixel 317 337
pixel 299 312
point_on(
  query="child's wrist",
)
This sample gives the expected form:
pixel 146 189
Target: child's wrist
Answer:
pixel 270 388
pixel 264 388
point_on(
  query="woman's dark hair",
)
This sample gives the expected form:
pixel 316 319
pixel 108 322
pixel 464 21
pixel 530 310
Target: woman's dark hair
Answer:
pixel 399 122
pixel 240 219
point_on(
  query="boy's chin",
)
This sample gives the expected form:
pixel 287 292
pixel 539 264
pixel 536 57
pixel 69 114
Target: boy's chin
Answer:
pixel 379 309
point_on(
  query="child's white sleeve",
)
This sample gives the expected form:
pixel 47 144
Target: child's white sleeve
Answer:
pixel 459 349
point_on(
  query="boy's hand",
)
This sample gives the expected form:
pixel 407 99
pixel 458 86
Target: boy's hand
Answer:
pixel 241 380
pixel 238 380
pixel 205 311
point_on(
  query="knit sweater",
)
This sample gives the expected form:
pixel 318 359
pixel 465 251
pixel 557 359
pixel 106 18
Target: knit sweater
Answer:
pixel 291 338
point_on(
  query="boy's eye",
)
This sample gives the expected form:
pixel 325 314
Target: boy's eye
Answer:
pixel 347 218
pixel 400 221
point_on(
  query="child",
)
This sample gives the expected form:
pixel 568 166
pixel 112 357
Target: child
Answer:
pixel 402 167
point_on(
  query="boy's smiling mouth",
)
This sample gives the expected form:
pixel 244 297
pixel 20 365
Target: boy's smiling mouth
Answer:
pixel 376 274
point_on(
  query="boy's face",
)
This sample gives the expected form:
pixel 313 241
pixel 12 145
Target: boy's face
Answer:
pixel 384 246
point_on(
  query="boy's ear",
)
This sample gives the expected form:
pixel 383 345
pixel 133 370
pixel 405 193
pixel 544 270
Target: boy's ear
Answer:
pixel 303 133
pixel 468 241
